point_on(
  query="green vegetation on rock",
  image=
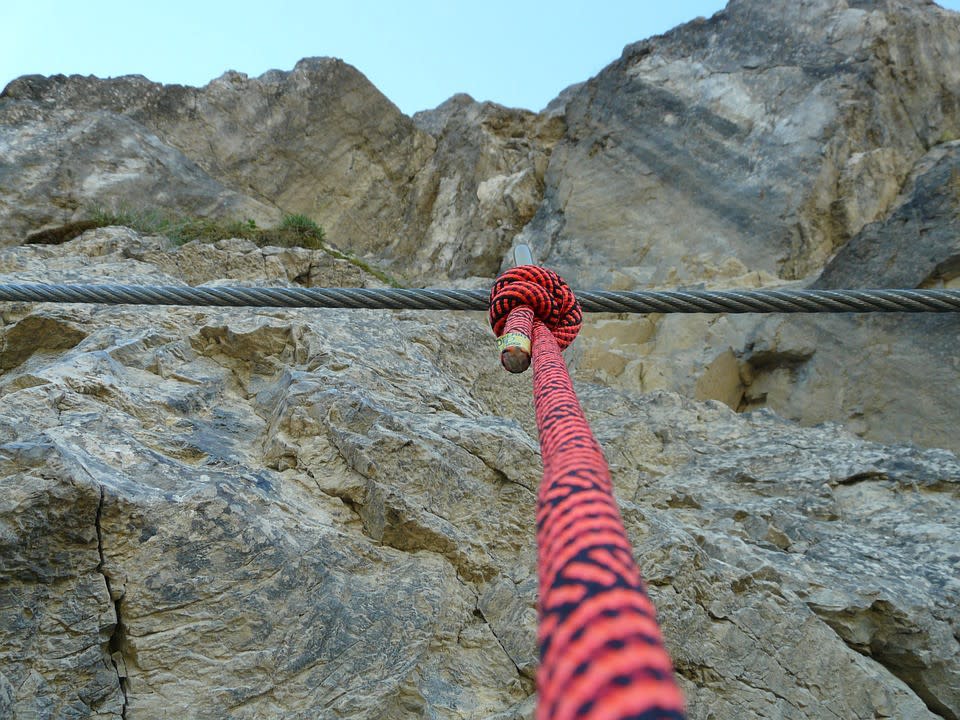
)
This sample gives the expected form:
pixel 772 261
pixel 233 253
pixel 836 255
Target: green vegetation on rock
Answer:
pixel 183 229
pixel 304 228
pixel 294 230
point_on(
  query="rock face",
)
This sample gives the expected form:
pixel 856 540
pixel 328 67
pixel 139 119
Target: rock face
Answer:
pixel 890 378
pixel 57 164
pixel 214 513
pixel 320 140
pixel 745 151
pixel 899 386
pixel 487 179
pixel 766 136
pixel 918 244
pixel 250 513
pixel 760 140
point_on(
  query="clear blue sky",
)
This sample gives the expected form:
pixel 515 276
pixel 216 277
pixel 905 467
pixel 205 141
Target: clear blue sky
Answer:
pixel 417 52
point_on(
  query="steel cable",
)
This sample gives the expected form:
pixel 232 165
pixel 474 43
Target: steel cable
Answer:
pixel 637 301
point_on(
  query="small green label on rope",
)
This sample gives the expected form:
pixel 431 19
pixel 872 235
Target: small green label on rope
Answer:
pixel 513 340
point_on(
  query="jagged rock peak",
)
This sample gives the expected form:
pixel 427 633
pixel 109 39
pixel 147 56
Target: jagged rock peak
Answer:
pixel 769 134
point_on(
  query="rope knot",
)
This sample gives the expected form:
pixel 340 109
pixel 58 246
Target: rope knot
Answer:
pixel 531 291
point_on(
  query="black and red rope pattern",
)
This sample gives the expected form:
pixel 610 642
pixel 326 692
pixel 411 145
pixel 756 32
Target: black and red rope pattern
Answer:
pixel 601 651
pixel 542 291
pixel 514 298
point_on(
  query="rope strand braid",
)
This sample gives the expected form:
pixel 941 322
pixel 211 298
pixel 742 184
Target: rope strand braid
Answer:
pixel 519 295
pixel 601 651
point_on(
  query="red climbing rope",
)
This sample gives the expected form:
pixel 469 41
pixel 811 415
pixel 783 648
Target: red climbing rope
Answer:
pixel 601 652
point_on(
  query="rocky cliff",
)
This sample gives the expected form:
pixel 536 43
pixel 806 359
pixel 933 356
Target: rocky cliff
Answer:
pixel 249 513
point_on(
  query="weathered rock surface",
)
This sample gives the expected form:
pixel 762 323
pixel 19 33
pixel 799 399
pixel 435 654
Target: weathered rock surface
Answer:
pixel 215 513
pixel 759 140
pixel 57 164
pixel 239 513
pixel 767 135
pixel 743 151
pixel 319 140
pixel 890 378
pixel 487 177
pixel 918 245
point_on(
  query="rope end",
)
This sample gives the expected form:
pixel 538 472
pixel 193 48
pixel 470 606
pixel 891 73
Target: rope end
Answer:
pixel 514 351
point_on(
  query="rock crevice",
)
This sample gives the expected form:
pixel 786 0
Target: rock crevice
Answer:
pixel 115 644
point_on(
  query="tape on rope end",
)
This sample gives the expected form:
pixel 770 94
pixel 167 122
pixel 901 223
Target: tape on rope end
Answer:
pixel 514 351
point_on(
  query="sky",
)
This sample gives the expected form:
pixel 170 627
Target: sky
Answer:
pixel 417 52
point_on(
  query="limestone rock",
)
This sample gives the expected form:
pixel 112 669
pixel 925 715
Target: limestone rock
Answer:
pixel 487 176
pixel 330 513
pixel 918 245
pixel 752 511
pixel 108 254
pixel 766 137
pixel 320 140
pixel 888 377
pixel 769 134
pixel 441 201
pixel 261 513
pixel 58 164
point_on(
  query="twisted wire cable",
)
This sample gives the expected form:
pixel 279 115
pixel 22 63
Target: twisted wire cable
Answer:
pixel 637 301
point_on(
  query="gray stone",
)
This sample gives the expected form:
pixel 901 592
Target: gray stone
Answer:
pixel 59 164
pixel 888 377
pixel 487 176
pixel 745 151
pixel 303 513
pixel 263 513
pixel 769 134
pixel 918 245
pixel 440 201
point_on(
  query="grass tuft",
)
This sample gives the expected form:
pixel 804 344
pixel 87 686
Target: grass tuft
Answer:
pixel 294 230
